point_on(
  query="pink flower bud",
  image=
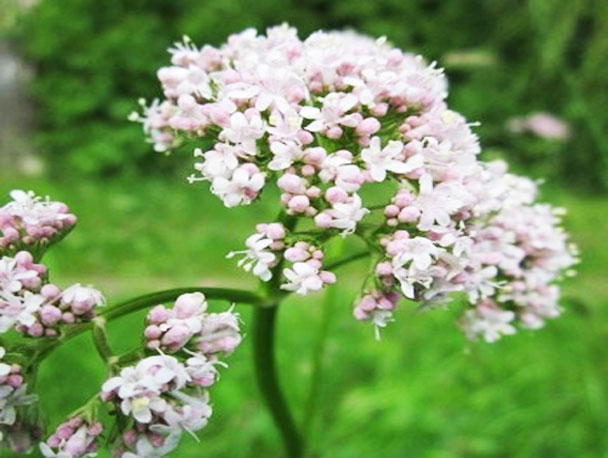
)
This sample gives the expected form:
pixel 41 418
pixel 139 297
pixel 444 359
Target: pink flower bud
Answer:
pixel 313 192
pixel 315 263
pixel 158 314
pixel 186 103
pixel 275 231
pixel 152 332
pixel 334 132
pixel 409 214
pixel 156 439
pixel 308 170
pixel 291 183
pixel 380 109
pixel 176 337
pixel 75 422
pixel 360 314
pixel 64 431
pixel 415 174
pixel 403 198
pixel 335 195
pixel 368 126
pixel 323 220
pixel 390 211
pixel 327 277
pixel 153 344
pixel 14 380
pixel 95 429
pixel 383 269
pixel 188 305
pixel 299 204
pixel 305 137
pixel 53 441
pixel 70 220
pixel 50 315
pixel 345 154
pixel 36 330
pixel 315 155
pixel 294 254
pixel 129 438
pixel 10 233
pixel 24 259
pixel 50 291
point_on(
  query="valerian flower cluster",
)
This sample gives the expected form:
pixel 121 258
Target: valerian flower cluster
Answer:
pixel 163 395
pixel 152 402
pixel 325 118
pixel 31 305
pixel 32 223
pixel 29 302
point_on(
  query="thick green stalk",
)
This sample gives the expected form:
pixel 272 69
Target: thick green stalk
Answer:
pixel 263 336
pixel 316 376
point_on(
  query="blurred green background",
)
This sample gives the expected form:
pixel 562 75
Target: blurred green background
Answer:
pixel 72 70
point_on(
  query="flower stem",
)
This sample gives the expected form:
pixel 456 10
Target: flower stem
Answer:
pixel 43 349
pixel 266 374
pixel 147 300
pixel 316 377
pixel 101 341
pixel 347 260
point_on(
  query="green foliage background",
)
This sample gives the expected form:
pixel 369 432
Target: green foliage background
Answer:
pixel 94 59
pixel 422 391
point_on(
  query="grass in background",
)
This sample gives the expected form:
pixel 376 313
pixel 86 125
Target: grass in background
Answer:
pixel 422 391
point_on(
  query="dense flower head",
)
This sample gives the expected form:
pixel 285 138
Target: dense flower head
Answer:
pixel 330 116
pixel 32 223
pixel 13 395
pixel 29 302
pixel 163 395
pixel 160 397
pixel 75 438
pixel 35 307
pixel 187 323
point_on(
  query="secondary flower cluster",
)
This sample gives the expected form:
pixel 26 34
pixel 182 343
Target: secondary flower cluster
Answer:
pixel 268 245
pixel 19 426
pixel 74 438
pixel 327 116
pixel 32 223
pixel 163 395
pixel 13 394
pixel 28 302
pixel 503 251
pixel 188 322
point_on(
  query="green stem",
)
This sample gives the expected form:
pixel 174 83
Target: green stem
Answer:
pixel 347 260
pixel 100 339
pixel 142 302
pixel 263 337
pixel 316 377
pixel 161 297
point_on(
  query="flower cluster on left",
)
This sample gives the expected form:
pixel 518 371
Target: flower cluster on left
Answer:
pixel 31 305
pixel 152 394
pixel 29 302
